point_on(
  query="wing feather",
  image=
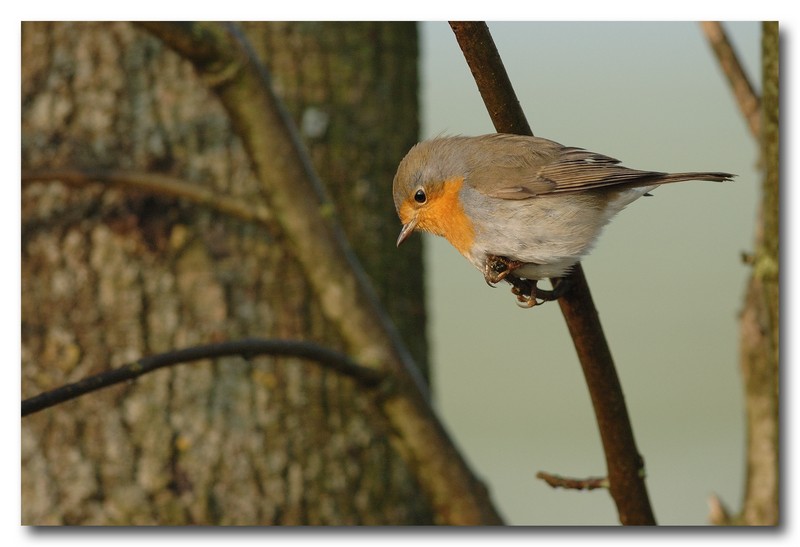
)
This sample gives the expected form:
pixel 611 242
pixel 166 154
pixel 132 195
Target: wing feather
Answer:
pixel 519 167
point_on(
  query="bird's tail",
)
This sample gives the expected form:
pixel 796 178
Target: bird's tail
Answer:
pixel 679 177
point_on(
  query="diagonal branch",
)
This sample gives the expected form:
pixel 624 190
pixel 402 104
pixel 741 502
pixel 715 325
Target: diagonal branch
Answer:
pixel 247 348
pixel 625 465
pixel 749 103
pixel 491 78
pixel 222 57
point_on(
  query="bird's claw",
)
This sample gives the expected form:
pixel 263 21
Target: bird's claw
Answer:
pixel 526 291
pixel 529 295
pixel 498 268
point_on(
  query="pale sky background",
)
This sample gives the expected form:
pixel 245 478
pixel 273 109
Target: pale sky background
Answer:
pixel 666 275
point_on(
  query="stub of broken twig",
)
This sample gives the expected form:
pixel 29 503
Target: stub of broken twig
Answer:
pixel 589 483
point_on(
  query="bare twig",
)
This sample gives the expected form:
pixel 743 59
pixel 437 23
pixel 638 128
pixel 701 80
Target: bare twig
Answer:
pixel 718 514
pixel 247 348
pixel 222 57
pixel 557 481
pixel 625 465
pixel 150 183
pixel 749 103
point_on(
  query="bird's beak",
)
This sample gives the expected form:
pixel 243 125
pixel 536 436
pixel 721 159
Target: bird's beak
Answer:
pixel 408 227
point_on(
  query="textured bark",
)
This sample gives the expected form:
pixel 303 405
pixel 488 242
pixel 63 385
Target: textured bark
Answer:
pixel 760 320
pixel 108 276
pixel 339 87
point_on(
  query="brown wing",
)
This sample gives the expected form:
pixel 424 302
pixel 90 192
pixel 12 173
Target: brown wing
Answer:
pixel 519 167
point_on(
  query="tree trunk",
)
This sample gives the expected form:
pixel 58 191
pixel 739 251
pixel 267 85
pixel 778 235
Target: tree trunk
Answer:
pixel 352 90
pixel 109 276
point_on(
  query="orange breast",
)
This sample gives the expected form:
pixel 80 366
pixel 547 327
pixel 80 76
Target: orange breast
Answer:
pixel 444 216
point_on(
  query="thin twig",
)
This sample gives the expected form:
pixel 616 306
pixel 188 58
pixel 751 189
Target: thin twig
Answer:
pixel 749 103
pixel 718 514
pixel 151 183
pixel 624 464
pixel 247 348
pixel 557 481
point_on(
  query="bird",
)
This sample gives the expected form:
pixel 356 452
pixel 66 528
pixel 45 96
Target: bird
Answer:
pixel 519 208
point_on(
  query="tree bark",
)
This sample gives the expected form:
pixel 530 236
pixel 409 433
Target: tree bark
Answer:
pixel 357 109
pixel 109 276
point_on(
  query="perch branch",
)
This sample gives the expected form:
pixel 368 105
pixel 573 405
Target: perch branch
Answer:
pixel 749 103
pixel 247 348
pixel 223 58
pixel 624 464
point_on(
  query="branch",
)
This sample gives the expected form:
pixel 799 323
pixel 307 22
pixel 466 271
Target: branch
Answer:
pixel 162 185
pixel 247 348
pixel 223 58
pixel 557 481
pixel 760 319
pixel 749 103
pixel 626 481
pixel 718 514
pixel 491 78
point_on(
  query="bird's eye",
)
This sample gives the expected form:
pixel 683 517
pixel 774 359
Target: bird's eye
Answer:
pixel 420 197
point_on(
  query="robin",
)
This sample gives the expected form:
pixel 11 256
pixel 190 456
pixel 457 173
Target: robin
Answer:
pixel 518 208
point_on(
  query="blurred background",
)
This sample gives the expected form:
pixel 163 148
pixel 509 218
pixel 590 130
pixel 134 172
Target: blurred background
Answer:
pixel 667 274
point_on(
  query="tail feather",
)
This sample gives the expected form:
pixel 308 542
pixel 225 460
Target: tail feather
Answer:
pixel 577 180
pixel 679 177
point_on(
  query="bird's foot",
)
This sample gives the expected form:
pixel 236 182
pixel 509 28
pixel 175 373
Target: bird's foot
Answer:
pixel 497 268
pixel 529 295
pixel 525 290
